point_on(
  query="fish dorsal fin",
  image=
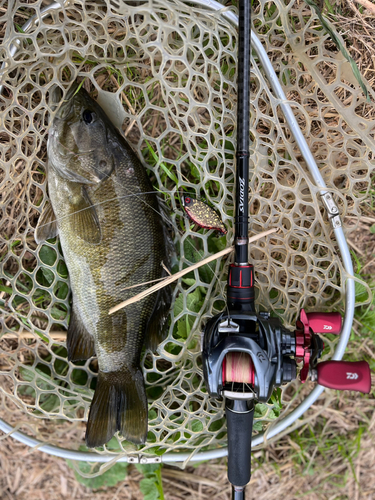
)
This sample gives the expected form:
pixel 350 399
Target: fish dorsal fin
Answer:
pixel 84 219
pixel 47 225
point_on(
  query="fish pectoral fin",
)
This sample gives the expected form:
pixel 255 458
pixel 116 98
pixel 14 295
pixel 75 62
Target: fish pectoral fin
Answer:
pixel 119 404
pixel 47 225
pixel 156 330
pixel 84 219
pixel 79 342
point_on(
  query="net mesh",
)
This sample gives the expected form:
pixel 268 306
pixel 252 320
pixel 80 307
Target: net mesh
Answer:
pixel 166 74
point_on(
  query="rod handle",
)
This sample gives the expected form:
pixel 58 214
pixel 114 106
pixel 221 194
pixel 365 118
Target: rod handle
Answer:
pixel 240 430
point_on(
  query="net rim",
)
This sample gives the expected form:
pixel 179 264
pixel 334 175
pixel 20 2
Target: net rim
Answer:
pixel 287 421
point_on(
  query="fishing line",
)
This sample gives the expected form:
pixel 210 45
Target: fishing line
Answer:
pixel 145 283
pixel 114 199
pixel 94 205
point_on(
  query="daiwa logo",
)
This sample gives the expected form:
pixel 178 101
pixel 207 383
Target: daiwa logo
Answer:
pixel 242 194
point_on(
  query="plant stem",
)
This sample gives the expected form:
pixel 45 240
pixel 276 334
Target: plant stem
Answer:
pixel 159 484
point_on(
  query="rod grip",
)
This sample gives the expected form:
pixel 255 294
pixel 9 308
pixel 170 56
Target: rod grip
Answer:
pixel 240 429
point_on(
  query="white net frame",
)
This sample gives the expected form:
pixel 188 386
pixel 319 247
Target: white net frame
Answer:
pixel 297 268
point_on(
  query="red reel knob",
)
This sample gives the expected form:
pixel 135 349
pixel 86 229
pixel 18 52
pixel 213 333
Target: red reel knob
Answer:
pixel 345 375
pixel 325 322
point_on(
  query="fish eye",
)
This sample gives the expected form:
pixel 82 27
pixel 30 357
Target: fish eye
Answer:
pixel 187 200
pixel 88 116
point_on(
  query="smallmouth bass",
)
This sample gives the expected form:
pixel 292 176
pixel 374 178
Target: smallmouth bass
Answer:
pixel 112 237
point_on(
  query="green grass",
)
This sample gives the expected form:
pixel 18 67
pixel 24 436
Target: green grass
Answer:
pixel 326 25
pixel 151 486
pixel 317 446
pixel 23 297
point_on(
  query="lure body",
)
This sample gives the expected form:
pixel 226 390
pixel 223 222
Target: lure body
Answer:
pixel 202 214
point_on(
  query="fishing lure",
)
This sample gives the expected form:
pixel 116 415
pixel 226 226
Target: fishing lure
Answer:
pixel 202 214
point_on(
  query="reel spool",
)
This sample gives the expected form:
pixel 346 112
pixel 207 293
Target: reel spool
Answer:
pixel 239 368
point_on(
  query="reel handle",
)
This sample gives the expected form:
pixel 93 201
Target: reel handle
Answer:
pixel 345 375
pixel 325 322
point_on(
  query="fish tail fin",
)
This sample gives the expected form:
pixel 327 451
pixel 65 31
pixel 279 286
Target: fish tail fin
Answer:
pixel 119 404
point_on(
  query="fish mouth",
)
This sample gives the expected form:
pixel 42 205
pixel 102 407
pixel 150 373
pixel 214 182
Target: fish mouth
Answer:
pixel 64 106
pixel 72 91
pixel 57 93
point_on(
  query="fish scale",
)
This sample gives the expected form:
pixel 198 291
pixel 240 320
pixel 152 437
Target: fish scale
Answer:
pixel 107 248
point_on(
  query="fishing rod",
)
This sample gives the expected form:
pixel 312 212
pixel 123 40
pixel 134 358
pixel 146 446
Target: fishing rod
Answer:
pixel 246 355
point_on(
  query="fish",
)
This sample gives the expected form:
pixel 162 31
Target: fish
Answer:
pixel 202 214
pixel 112 234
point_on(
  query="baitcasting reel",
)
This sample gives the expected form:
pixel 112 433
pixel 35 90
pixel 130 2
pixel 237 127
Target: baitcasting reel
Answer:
pixel 247 355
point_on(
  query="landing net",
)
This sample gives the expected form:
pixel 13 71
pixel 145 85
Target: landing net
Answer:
pixel 166 74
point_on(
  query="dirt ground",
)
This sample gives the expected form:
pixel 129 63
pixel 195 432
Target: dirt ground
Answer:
pixel 314 474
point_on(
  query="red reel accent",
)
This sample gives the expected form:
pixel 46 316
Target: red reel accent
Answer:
pixel 303 344
pixel 238 367
pixel 325 322
pixel 308 324
pixel 345 375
